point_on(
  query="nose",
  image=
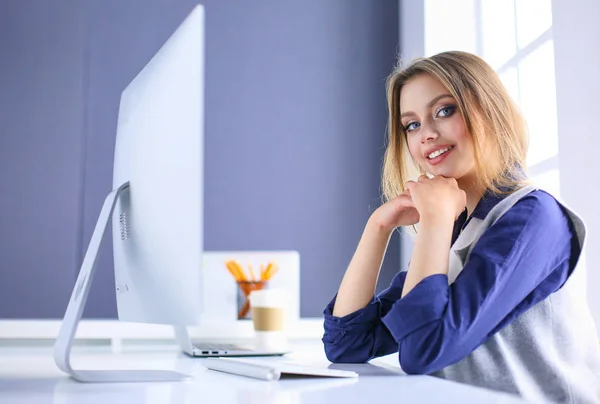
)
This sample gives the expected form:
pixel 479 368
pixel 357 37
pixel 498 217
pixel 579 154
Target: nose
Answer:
pixel 428 132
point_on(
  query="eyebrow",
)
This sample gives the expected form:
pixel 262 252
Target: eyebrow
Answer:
pixel 429 105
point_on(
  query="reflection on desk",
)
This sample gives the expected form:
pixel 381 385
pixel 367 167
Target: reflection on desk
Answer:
pixel 28 375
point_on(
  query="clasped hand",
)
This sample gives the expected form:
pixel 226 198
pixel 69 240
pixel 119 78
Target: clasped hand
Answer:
pixel 427 199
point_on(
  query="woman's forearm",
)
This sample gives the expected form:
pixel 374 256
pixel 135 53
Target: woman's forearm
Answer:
pixel 431 251
pixel 359 282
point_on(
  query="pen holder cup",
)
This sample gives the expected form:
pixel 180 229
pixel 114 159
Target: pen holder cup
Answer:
pixel 244 288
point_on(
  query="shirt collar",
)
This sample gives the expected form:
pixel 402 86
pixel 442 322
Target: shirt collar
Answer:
pixel 488 201
pixel 486 204
pixel 491 199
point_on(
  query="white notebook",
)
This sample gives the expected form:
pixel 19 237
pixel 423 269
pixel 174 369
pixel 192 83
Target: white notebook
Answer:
pixel 271 370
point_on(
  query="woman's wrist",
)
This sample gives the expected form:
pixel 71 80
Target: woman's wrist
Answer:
pixel 376 227
pixel 436 219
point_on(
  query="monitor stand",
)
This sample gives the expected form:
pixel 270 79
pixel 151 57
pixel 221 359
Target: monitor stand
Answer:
pixel 66 335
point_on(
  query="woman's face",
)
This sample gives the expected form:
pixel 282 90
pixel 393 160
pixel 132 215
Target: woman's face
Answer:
pixel 436 133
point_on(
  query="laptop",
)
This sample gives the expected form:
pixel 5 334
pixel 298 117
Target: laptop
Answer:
pixel 207 349
pixel 272 370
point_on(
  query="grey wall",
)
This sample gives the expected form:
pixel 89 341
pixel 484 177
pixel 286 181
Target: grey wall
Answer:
pixel 295 125
pixel 41 139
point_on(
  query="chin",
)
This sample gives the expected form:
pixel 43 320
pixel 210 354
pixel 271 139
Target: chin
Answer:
pixel 449 171
pixel 444 172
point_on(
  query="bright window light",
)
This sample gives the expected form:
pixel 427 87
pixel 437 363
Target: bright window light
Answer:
pixel 510 79
pixel 450 26
pixel 538 102
pixel 548 181
pixel 498 31
pixel 534 17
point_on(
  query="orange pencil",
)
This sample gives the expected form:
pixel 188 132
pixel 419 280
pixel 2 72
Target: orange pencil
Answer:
pixel 262 271
pixel 273 271
pixel 243 276
pixel 234 267
pixel 251 272
pixel 263 274
pixel 231 271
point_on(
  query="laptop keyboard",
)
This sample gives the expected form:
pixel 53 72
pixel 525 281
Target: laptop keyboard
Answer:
pixel 204 346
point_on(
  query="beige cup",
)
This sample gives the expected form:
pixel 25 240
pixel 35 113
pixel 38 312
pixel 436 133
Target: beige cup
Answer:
pixel 269 318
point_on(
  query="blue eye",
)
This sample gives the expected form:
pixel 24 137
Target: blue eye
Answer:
pixel 410 127
pixel 443 112
pixel 446 111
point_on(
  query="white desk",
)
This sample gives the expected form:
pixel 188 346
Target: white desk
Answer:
pixel 28 375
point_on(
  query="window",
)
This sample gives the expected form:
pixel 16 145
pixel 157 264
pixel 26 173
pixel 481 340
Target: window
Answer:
pixel 515 38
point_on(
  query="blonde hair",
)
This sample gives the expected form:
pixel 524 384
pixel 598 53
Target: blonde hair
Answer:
pixel 497 128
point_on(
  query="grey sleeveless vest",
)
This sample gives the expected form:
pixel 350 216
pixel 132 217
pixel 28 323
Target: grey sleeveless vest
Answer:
pixel 551 352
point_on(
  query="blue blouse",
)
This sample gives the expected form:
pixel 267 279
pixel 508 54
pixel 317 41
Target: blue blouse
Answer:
pixel 520 260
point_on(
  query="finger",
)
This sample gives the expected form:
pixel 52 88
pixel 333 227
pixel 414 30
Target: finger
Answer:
pixel 409 185
pixel 441 177
pixel 423 178
pixel 405 201
pixel 404 194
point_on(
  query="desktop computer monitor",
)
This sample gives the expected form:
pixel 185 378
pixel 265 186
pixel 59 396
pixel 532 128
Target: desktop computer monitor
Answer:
pixel 156 205
pixel 157 221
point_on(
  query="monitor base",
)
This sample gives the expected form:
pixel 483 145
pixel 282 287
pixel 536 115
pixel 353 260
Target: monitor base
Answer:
pixel 68 328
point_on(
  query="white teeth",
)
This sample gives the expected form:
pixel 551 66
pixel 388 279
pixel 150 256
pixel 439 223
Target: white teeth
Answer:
pixel 438 152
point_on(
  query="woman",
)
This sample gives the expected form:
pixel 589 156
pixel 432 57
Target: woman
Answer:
pixel 492 296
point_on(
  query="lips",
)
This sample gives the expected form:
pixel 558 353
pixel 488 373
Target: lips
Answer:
pixel 439 157
pixel 436 148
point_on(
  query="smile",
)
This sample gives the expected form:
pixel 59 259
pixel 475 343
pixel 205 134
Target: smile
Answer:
pixel 439 152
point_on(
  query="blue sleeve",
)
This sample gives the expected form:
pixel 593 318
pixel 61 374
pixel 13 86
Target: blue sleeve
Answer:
pixel 361 336
pixel 520 260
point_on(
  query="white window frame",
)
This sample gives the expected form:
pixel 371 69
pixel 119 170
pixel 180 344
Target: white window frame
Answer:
pixel 521 54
